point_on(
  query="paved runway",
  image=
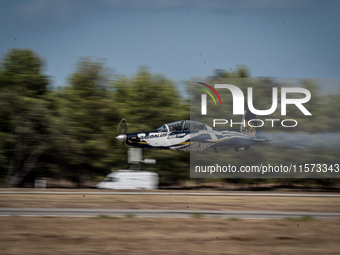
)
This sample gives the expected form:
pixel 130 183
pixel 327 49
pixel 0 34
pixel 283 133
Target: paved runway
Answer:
pixel 76 212
pixel 72 212
pixel 175 193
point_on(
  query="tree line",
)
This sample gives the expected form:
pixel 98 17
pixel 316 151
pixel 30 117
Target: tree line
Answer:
pixel 69 132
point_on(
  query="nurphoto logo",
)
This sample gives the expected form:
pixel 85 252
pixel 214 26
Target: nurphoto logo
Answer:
pixel 239 103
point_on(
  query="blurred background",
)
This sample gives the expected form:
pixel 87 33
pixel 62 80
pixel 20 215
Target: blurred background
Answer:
pixel 67 134
pixel 59 108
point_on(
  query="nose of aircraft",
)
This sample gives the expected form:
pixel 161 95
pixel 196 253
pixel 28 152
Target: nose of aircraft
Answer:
pixel 121 137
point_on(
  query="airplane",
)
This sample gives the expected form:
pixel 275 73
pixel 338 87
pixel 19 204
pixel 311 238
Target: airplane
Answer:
pixel 189 135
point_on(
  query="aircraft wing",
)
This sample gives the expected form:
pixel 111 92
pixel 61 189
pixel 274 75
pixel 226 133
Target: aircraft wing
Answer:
pixel 261 140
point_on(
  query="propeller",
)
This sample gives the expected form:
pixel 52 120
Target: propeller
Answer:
pixel 122 130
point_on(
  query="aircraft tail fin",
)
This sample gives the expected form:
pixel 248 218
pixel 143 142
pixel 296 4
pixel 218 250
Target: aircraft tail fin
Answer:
pixel 249 126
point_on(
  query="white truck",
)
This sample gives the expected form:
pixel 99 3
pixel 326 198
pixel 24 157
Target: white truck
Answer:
pixel 129 179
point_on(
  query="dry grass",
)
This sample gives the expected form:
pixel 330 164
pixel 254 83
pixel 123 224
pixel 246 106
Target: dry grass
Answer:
pixel 25 235
pixel 195 235
pixel 308 204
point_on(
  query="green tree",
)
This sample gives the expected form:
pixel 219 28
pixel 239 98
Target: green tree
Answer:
pixel 26 125
pixel 148 101
pixel 88 108
pixel 23 73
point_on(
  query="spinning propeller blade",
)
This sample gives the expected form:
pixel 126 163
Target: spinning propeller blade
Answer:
pixel 122 130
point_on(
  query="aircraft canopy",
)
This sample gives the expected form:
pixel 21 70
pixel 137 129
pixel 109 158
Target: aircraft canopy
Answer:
pixel 182 125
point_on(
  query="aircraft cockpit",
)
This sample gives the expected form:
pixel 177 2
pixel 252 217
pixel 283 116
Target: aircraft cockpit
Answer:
pixel 182 125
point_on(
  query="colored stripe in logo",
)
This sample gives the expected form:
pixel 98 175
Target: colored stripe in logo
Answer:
pixel 208 94
pixel 213 90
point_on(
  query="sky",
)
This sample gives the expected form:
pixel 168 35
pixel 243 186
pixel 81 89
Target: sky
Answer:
pixel 180 39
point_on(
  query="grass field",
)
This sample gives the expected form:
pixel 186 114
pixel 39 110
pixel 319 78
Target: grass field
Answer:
pixel 193 235
pixel 103 235
pixel 308 204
